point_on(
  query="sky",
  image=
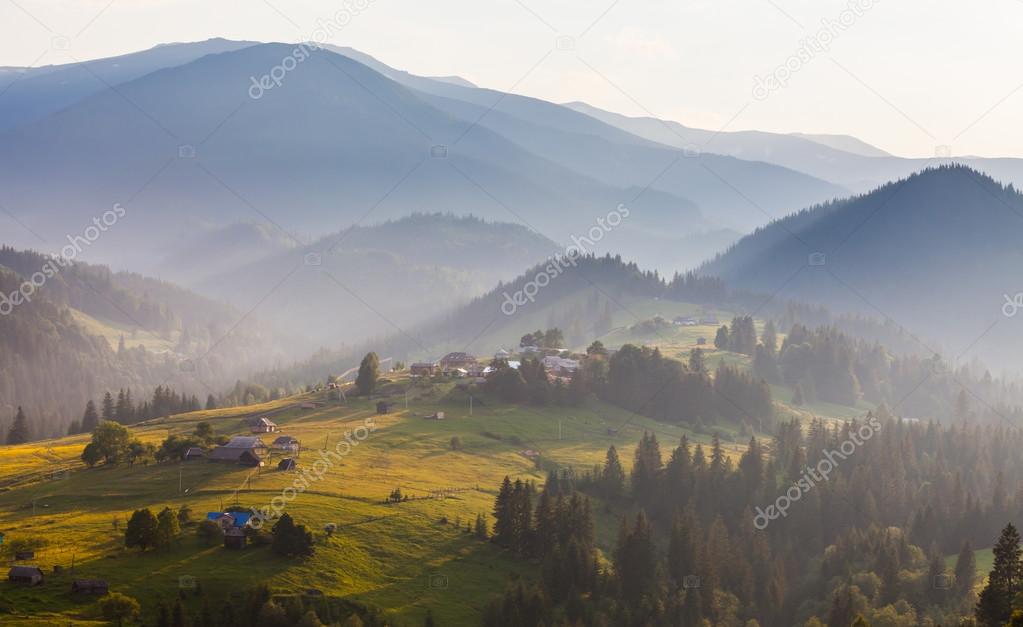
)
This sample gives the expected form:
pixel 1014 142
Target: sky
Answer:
pixel 913 77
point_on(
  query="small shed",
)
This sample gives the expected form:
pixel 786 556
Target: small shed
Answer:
pixel 234 538
pixel 702 341
pixel 25 575
pixel 383 407
pixel 193 453
pixel 90 586
pixel 287 464
pixel 436 416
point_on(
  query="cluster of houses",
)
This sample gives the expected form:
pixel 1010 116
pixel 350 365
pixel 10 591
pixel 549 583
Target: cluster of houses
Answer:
pixel 250 450
pixel 462 364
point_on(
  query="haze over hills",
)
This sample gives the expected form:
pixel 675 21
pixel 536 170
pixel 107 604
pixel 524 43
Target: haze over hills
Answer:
pixel 374 281
pixel 843 160
pixel 87 331
pixel 937 252
pixel 337 140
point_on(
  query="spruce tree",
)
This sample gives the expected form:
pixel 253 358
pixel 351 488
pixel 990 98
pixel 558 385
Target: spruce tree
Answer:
pixel 19 432
pixel 612 476
pixel 994 607
pixel 90 419
pixel 965 570
pixel 109 409
pixel 369 372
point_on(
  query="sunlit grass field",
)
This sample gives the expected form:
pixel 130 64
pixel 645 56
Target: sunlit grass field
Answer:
pixel 406 557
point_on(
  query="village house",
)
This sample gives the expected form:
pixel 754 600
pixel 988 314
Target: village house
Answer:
pixel 502 354
pixel 194 452
pixel 383 407
pixel 423 369
pixel 25 575
pixel 559 366
pixel 264 425
pixel 90 586
pixel 230 520
pixel 286 443
pixel 247 450
pixel 455 361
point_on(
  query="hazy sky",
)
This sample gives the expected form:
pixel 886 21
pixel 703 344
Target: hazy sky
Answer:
pixel 905 75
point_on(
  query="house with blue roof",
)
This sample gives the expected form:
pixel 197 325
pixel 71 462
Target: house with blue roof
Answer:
pixel 230 520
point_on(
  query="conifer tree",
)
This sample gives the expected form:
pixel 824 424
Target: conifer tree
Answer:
pixel 965 570
pixel 613 475
pixel 90 419
pixel 109 409
pixel 19 432
pixel 994 607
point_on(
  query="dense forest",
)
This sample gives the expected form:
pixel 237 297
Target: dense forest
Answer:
pixel 51 363
pixel 887 538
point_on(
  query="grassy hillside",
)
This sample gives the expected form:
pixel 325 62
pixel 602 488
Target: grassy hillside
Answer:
pixel 403 556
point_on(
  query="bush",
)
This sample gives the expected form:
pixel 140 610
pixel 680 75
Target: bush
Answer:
pixel 209 532
pixel 116 607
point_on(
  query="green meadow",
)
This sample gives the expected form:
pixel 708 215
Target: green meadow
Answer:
pixel 406 557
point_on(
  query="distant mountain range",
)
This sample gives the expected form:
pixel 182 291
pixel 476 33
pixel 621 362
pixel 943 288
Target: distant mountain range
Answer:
pixel 937 252
pixel 230 180
pixel 840 159
pixel 337 141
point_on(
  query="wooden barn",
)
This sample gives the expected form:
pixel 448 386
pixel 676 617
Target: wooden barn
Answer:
pixel 25 575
